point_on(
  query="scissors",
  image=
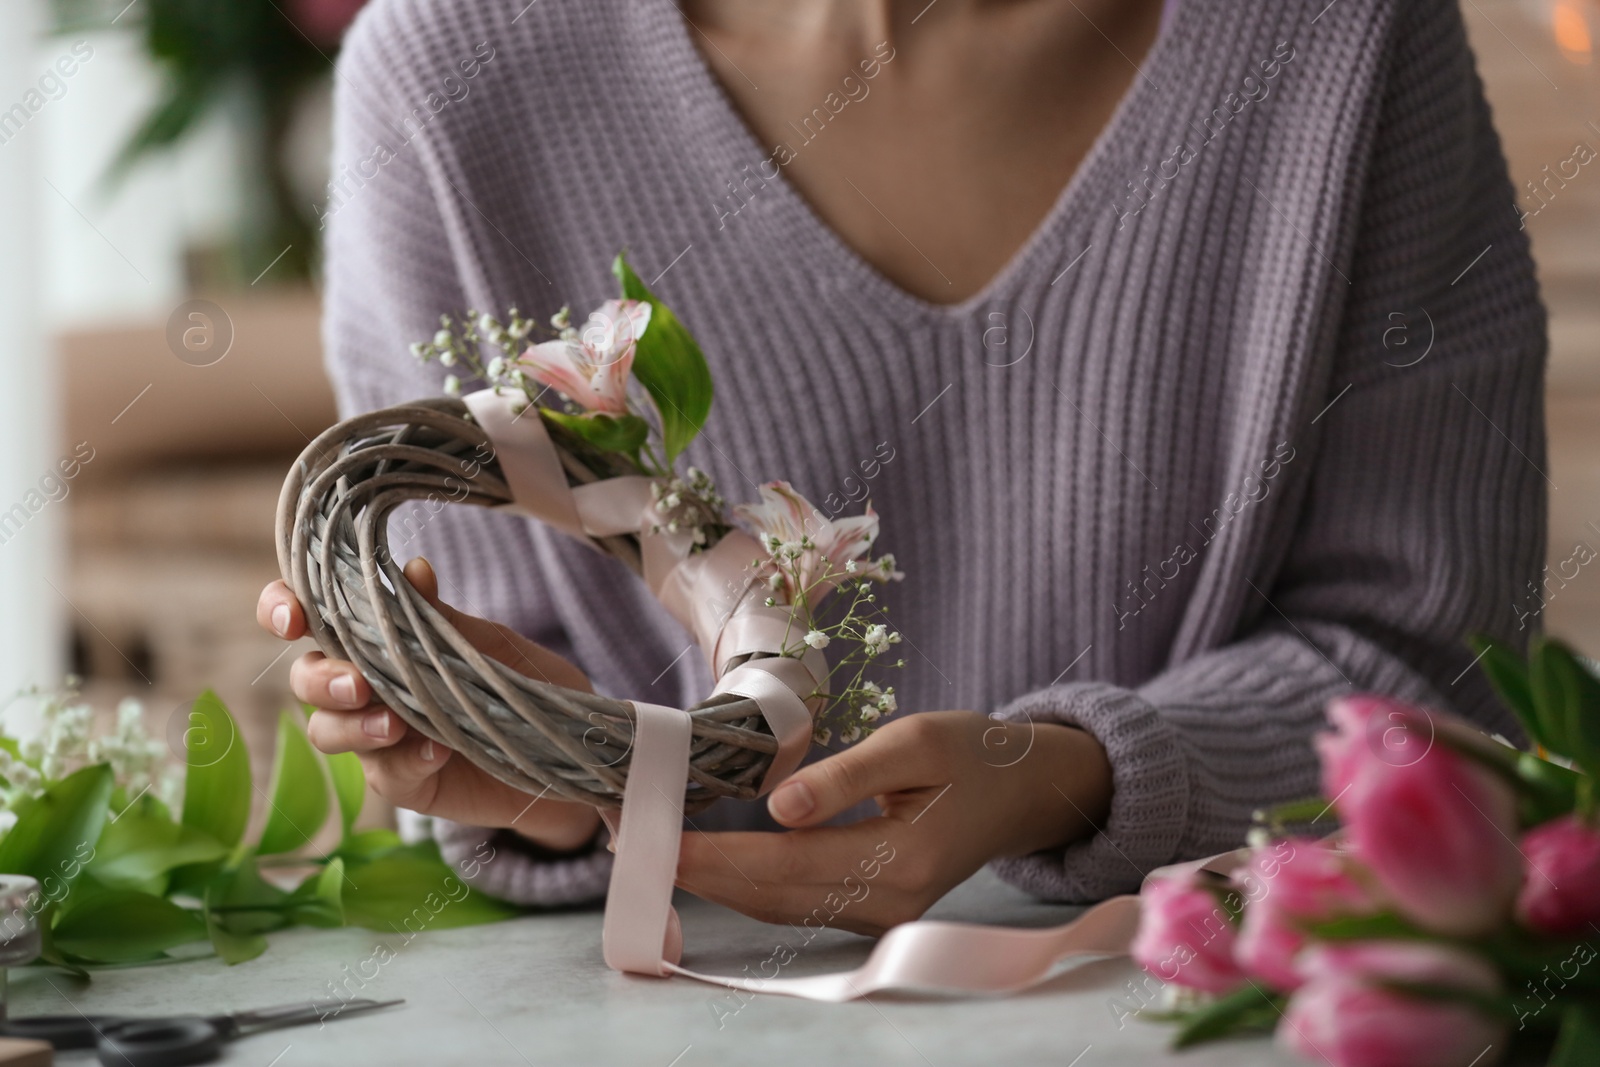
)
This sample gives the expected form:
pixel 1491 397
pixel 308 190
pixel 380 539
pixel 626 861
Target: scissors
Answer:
pixel 177 1040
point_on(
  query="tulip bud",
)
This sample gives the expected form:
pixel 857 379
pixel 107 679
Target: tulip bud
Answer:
pixel 1435 829
pixel 1561 891
pixel 1287 884
pixel 1345 1014
pixel 1186 935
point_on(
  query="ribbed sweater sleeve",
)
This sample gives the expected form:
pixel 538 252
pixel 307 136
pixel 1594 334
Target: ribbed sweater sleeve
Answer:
pixel 394 266
pixel 1423 511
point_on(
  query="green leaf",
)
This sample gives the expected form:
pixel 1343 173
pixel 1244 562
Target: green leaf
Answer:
pixel 411 890
pixel 1568 698
pixel 670 366
pixel 1311 809
pixel 54 836
pixel 1578 1044
pixel 245 902
pixel 318 899
pixel 369 844
pixel 1508 674
pixel 216 791
pixel 138 847
pixel 233 947
pixel 1249 1009
pixel 120 926
pixel 349 786
pixel 1383 926
pixel 299 792
pixel 626 434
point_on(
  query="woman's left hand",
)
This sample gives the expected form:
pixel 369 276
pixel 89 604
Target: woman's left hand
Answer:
pixel 956 790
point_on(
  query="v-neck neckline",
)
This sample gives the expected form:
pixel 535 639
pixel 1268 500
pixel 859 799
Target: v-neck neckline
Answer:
pixel 737 146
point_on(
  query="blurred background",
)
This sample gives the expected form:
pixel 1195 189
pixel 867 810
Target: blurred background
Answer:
pixel 162 170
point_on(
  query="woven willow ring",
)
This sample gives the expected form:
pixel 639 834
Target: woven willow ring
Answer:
pixel 332 537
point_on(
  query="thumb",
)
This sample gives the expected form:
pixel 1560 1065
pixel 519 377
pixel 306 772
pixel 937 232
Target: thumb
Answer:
pixel 425 580
pixel 888 761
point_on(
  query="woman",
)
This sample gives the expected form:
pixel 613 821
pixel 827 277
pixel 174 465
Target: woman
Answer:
pixel 1196 372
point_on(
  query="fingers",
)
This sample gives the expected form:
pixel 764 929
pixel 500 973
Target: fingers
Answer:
pixel 328 683
pixel 899 756
pixel 407 774
pixel 815 878
pixel 278 611
pixel 355 731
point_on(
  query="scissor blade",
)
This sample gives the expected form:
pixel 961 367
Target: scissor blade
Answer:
pixel 306 1011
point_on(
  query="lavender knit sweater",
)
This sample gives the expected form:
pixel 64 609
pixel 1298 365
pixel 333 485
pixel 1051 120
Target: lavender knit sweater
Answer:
pixel 1253 420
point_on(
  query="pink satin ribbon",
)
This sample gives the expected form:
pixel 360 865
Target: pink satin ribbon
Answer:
pixel 713 596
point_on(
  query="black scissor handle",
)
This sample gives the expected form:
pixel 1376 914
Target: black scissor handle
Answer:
pixel 62 1031
pixel 174 1042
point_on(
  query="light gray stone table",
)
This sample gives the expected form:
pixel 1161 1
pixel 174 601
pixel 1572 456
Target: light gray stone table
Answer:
pixel 534 991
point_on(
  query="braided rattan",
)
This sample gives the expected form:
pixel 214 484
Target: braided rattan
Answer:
pixel 332 534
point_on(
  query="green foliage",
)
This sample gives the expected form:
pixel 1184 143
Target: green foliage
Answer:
pixel 1578 1044
pixel 1251 1009
pixel 130 885
pixel 55 833
pixel 298 795
pixel 669 364
pixel 412 889
pixel 216 791
pixel 123 925
pixel 1556 698
pixel 626 434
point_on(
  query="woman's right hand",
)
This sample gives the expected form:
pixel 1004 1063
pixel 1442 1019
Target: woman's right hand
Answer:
pixel 402 766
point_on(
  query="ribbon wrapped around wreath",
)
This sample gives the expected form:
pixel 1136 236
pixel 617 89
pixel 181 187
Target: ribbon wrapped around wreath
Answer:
pixel 743 644
pixel 641 932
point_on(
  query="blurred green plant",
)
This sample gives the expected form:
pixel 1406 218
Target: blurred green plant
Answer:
pixel 125 880
pixel 263 53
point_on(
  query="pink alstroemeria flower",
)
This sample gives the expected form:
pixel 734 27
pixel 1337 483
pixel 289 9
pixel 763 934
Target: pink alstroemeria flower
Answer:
pixel 592 369
pixel 784 519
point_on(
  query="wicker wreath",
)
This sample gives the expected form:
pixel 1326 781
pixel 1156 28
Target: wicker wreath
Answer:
pixel 332 535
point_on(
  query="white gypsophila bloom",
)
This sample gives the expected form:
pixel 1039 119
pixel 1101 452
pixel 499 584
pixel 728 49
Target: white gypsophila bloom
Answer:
pixel 452 385
pixel 876 638
pixel 418 348
pixel 816 639
pixel 888 702
pixel 870 713
pixel 821 736
pixel 850 735
pixel 486 323
pixel 497 366
pixel 851 566
pixel 1258 837
pixel 442 339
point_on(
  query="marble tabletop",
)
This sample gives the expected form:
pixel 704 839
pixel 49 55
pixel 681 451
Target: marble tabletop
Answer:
pixel 534 991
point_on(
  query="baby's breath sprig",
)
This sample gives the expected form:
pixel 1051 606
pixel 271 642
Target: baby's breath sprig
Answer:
pixel 459 346
pixel 858 637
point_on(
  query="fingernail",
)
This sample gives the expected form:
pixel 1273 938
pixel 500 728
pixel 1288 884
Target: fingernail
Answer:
pixel 791 801
pixel 376 724
pixel 343 689
pixel 280 620
pixel 427 752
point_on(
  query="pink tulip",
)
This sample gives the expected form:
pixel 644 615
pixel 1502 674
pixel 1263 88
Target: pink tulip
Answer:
pixel 1561 891
pixel 1186 936
pixel 592 368
pixel 1345 1015
pixel 784 519
pixel 324 21
pixel 1286 885
pixel 1435 828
